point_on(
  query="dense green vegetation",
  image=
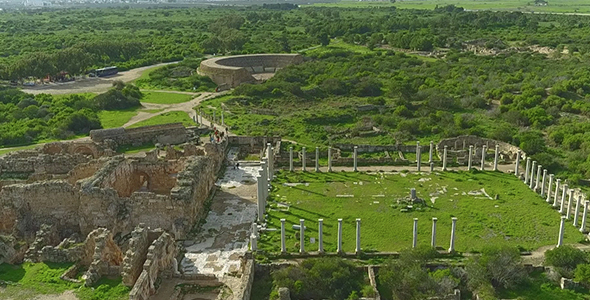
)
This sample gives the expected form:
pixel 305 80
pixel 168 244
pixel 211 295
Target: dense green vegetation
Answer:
pixel 25 118
pixel 528 99
pixel 518 218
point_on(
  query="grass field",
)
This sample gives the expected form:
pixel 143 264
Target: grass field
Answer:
pixel 31 279
pixel 555 6
pixel 166 98
pixel 116 118
pixel 169 117
pixel 518 218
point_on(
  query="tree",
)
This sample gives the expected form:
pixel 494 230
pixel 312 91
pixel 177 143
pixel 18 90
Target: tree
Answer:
pixel 499 266
pixel 565 257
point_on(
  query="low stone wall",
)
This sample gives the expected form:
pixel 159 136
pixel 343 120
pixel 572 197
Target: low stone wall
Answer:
pixel 174 133
pixel 160 258
pixel 381 148
pixel 135 255
pixel 246 281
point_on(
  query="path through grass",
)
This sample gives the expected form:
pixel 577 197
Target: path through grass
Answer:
pixel 518 218
pixel 165 118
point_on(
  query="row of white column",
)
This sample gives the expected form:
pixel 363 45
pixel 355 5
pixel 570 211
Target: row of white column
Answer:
pixel 483 157
pixel 213 121
pixel 558 198
pixel 418 158
pixel 358 236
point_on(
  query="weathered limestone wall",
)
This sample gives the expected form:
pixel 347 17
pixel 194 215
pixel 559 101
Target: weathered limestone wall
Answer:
pixel 234 70
pixel 40 163
pixel 135 255
pixel 50 202
pixel 245 288
pixel 85 148
pixel 104 255
pixel 174 133
pixel 160 258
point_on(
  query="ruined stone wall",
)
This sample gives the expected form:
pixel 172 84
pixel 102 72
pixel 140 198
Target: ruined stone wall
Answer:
pixel 173 133
pixel 85 148
pixel 51 202
pixel 41 163
pixel 135 255
pixel 160 258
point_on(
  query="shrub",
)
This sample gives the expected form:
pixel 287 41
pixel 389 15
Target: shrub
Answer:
pixel 566 257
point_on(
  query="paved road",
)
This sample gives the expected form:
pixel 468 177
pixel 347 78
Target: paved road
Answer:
pixel 92 84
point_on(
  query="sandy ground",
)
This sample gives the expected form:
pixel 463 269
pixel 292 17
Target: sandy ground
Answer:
pixel 91 84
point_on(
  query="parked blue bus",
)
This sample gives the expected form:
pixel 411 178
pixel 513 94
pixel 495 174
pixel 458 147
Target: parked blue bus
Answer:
pixel 108 71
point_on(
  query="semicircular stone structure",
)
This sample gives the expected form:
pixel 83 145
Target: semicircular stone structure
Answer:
pixel 231 71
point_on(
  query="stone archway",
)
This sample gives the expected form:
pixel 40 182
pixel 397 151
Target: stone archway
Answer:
pixel 52 149
pixel 85 150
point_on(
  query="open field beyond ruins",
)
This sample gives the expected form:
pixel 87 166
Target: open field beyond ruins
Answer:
pixel 519 217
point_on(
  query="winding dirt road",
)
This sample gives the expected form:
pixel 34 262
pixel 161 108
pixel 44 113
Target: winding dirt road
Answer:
pixel 91 84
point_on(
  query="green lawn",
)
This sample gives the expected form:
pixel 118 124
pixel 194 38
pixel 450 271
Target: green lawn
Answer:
pixel 116 118
pixel 31 279
pixel 165 118
pixel 518 218
pixel 166 98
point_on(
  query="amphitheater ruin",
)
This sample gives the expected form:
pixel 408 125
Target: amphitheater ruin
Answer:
pixel 231 71
pixel 140 216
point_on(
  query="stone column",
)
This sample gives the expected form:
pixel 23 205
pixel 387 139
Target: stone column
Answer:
pixel 569 204
pixel 290 159
pixel 433 238
pixel 583 225
pixel 532 177
pixel 453 229
pixel 358 236
pixel 213 118
pixel 222 119
pixel 270 156
pixel 253 243
pixel 527 170
pixel 561 230
pixel 339 249
pixel 556 192
pixel 543 183
pixel 354 157
pixel 517 163
pixel 469 157
pixel 321 235
pixel 283 243
pixel 418 156
pixel 562 204
pixel 483 157
pixel 264 178
pixel 201 117
pixel 430 152
pixel 317 159
pixel 432 167
pixel 577 211
pixel 496 157
pixel 537 182
pixel 444 168
pixel 301 236
pixel 329 159
pixel 303 159
pixel 415 236
pixel 260 196
pixel 549 188
pixel 175 264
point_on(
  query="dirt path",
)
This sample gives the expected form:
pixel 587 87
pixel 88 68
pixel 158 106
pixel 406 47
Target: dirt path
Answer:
pixel 185 106
pixel 91 84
